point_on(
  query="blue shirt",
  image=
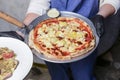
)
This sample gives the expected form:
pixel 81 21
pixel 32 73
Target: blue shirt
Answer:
pixel 87 8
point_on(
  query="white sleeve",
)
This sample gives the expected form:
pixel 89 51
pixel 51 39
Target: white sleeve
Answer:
pixel 38 6
pixel 114 3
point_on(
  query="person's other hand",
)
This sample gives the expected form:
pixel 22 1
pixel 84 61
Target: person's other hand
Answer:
pixel 98 22
pixel 12 34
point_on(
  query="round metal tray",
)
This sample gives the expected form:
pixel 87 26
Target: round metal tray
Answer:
pixel 67 14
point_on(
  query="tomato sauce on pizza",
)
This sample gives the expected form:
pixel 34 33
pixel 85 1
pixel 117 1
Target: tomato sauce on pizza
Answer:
pixel 62 38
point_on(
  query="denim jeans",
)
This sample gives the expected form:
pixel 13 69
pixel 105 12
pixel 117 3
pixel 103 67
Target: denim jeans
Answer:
pixel 80 70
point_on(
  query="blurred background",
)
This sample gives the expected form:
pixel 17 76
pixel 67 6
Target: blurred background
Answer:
pixel 15 8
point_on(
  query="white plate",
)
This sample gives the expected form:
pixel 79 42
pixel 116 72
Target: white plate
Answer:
pixel 24 56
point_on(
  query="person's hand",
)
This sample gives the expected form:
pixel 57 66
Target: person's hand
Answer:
pixel 29 18
pixel 12 34
pixel 98 22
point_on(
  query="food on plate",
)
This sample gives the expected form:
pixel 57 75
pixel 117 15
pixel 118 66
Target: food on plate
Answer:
pixel 8 63
pixel 62 38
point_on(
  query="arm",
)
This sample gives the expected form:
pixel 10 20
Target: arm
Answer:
pixel 108 7
pixel 35 9
pixel 106 10
pixel 29 18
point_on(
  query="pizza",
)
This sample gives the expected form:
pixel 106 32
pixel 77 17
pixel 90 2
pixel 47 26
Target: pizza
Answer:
pixel 8 63
pixel 62 38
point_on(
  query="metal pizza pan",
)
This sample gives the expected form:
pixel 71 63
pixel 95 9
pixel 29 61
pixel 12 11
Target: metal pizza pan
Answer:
pixel 66 14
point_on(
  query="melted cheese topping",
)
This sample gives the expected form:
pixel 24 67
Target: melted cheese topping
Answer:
pixel 64 35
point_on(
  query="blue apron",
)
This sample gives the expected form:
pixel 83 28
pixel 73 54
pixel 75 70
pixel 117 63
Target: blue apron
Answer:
pixel 87 8
pixel 82 69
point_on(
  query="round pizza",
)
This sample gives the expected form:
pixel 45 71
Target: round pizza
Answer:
pixel 62 38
